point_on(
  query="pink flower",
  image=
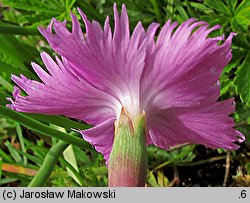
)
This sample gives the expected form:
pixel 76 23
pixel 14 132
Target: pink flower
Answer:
pixel 173 79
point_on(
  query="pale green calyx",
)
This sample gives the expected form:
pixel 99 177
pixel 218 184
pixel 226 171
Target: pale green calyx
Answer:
pixel 128 159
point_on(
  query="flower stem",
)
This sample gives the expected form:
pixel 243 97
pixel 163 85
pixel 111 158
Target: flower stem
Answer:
pixel 128 159
pixel 48 165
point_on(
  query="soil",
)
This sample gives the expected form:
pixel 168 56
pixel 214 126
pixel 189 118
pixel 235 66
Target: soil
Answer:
pixel 212 174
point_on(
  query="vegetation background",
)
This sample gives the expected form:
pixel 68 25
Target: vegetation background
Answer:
pixel 32 147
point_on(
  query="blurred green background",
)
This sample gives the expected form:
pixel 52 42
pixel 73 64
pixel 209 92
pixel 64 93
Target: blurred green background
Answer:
pixel 35 144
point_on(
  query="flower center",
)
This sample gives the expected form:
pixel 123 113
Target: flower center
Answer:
pixel 131 105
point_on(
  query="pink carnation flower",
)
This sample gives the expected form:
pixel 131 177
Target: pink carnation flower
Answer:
pixel 173 79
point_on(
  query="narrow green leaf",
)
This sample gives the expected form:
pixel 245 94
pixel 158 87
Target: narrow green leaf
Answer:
pixel 244 7
pixel 1 161
pixel 157 11
pixel 74 173
pixel 48 6
pixel 81 156
pixel 7 180
pixel 64 122
pixel 241 20
pixel 232 5
pixel 5 157
pixel 33 158
pixel 90 11
pixel 242 80
pixel 12 48
pixel 242 112
pixel 170 7
pixel 225 85
pixel 89 178
pixel 190 9
pixel 69 4
pixel 161 179
pixel 20 137
pixel 151 180
pixel 7 69
pixel 235 61
pixel 17 30
pixel 218 5
pixel 24 179
pixel 7 85
pixel 38 151
pixel 182 11
pixel 43 129
pixel 13 153
pixel 69 156
pixel 201 7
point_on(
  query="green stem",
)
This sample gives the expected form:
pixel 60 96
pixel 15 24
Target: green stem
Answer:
pixel 165 164
pixel 200 162
pixel 43 129
pixel 209 160
pixel 48 164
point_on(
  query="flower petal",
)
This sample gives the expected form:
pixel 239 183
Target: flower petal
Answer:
pixel 112 64
pixel 211 121
pixel 101 136
pixel 62 92
pixel 184 67
pixel 173 79
pixel 206 124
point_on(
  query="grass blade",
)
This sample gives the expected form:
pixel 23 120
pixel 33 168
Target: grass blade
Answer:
pixel 33 158
pixel 69 156
pixel 156 10
pixel 17 30
pixel 18 169
pixel 13 153
pixel 170 6
pixel 90 11
pixel 61 121
pixel 190 9
pixel 5 156
pixel 43 129
pixel 1 163
pixel 20 137
pixel 73 172
pixel 7 180
pixel 8 86
pixel 181 11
